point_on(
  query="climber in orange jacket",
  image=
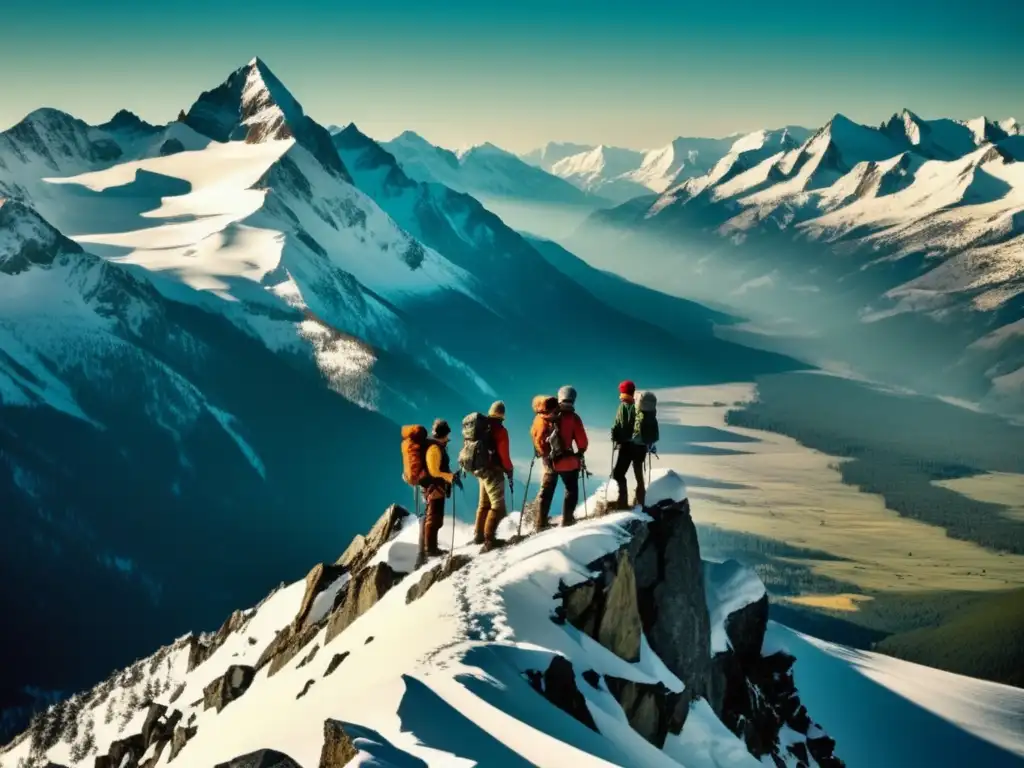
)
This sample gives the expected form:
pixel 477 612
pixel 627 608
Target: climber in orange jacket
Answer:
pixel 555 430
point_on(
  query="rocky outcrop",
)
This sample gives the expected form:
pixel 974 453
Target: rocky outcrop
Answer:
pixel 264 758
pixel 757 695
pixel 123 753
pixel 228 687
pixel 181 737
pixel 363 548
pixel 317 580
pixel 558 685
pixel 654 585
pixel 649 708
pixel 338 749
pixel 365 587
pixel 201 648
pixel 364 590
pixel 438 573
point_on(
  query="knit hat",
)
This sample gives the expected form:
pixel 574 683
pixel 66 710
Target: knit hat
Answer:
pixel 441 429
pixel 567 394
pixel 497 410
pixel 627 387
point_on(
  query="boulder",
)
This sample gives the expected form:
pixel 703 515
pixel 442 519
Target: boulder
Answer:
pixel 364 590
pixel 438 573
pixel 180 738
pixel 264 758
pixel 558 685
pixel 338 749
pixel 363 548
pixel 649 708
pixel 228 687
pixel 317 580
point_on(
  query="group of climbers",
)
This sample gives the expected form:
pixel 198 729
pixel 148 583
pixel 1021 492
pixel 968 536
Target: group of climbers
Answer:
pixel 559 441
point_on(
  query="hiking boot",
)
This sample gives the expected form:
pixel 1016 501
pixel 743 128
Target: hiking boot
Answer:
pixel 478 538
pixel 437 552
pixel 492 544
pixel 567 521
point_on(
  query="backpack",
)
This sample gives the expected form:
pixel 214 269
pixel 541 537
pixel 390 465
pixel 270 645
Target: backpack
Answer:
pixel 556 447
pixel 414 454
pixel 646 425
pixel 478 449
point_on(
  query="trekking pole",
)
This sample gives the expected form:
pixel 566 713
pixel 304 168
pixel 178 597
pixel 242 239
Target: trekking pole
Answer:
pixel 451 551
pixel 526 495
pixel 420 520
pixel 583 478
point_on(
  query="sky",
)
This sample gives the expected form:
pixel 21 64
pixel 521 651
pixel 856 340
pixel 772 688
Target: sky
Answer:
pixel 519 74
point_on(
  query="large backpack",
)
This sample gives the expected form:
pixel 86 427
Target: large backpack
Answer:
pixel 478 448
pixel 646 425
pixel 414 454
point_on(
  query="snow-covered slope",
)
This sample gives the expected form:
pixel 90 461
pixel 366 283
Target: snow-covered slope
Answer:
pixel 485 171
pixel 916 225
pixel 547 156
pixel 543 653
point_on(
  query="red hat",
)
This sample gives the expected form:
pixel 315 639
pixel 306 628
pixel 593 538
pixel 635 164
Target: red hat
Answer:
pixel 627 387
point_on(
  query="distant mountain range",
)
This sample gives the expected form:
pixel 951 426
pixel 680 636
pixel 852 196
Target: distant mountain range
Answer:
pixel 898 247
pixel 622 174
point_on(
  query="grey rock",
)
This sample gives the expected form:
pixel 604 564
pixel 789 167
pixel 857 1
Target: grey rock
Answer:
pixel 264 758
pixel 364 590
pixel 228 687
pixel 650 709
pixel 438 573
pixel 338 749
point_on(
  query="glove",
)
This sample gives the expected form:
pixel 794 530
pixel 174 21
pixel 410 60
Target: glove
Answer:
pixel 510 473
pixel 456 480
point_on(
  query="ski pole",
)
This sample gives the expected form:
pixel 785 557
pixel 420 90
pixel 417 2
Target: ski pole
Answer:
pixel 526 495
pixel 421 520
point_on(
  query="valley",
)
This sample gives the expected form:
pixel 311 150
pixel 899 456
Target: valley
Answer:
pixel 842 550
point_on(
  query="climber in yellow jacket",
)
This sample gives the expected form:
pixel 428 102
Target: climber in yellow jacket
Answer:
pixel 438 487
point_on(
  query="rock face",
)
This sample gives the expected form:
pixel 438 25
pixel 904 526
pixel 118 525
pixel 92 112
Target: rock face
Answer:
pixel 558 685
pixel 228 687
pixel 363 548
pixel 437 573
pixel 649 708
pixel 317 580
pixel 364 590
pixel 264 758
pixel 338 749
pixel 181 737
pixel 200 649
pixel 757 695
pixel 654 585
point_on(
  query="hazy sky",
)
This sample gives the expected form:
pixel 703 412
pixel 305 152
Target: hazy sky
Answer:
pixel 521 73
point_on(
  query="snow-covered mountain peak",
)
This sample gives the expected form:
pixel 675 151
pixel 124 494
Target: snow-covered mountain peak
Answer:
pixel 553 152
pixel 127 121
pixel 254 106
pixel 26 238
pixel 56 139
